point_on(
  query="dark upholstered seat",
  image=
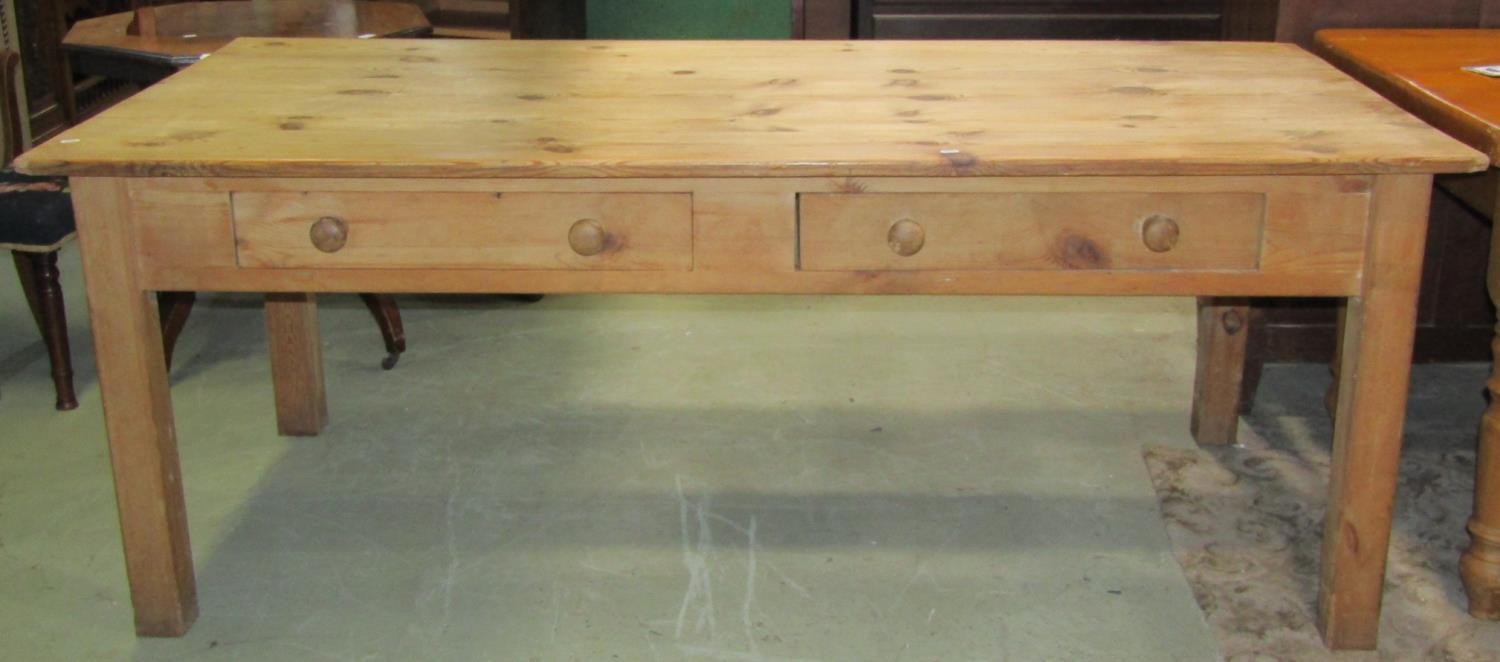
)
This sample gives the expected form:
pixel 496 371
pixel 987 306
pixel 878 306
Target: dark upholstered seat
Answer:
pixel 36 213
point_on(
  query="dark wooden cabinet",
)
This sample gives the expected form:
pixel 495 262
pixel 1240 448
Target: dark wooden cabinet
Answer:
pixel 1041 19
pixel 1063 19
pixel 548 19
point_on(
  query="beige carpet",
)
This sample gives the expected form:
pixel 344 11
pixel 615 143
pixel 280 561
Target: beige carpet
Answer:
pixel 1245 524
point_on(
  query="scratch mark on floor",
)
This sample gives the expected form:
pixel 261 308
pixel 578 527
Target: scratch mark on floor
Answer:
pixel 311 650
pixel 711 653
pixel 655 654
pixel 911 581
pixel 791 583
pixel 589 566
pixel 556 611
pixel 699 593
pixel 749 604
pixel 1038 385
pixel 450 542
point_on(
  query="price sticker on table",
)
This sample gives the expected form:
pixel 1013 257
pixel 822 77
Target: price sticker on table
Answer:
pixel 1491 70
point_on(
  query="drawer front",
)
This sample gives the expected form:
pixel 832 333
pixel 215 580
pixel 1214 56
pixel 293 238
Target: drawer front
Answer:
pixel 606 231
pixel 1029 231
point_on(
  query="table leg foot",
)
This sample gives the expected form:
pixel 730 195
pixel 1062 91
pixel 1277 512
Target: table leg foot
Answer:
pixel 1480 569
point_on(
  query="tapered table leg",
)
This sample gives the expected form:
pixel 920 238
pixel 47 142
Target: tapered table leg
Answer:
pixel 1480 564
pixel 296 363
pixel 1374 368
pixel 1223 326
pixel 137 414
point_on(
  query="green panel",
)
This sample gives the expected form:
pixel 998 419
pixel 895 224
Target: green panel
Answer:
pixel 689 19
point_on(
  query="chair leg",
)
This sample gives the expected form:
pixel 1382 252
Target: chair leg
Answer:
pixel 174 308
pixel 39 279
pixel 388 318
pixel 28 284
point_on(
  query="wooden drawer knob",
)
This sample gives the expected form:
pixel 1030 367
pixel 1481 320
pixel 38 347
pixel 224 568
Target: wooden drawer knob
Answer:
pixel 906 237
pixel 329 234
pixel 1159 233
pixel 587 237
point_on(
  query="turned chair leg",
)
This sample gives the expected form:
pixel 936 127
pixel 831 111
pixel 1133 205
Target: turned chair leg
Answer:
pixel 39 280
pixel 1480 564
pixel 388 318
pixel 173 308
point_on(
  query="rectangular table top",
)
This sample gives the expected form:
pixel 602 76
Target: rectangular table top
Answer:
pixel 1424 71
pixel 439 108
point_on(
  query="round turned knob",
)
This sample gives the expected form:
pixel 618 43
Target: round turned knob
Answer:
pixel 906 237
pixel 329 234
pixel 587 237
pixel 1159 233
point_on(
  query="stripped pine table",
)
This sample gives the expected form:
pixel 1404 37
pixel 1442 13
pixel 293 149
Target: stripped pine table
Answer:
pixel 300 166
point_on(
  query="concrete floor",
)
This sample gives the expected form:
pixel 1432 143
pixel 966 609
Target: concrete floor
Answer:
pixel 633 478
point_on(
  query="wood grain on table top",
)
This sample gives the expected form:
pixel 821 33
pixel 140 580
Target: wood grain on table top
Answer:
pixel 440 108
pixel 1423 71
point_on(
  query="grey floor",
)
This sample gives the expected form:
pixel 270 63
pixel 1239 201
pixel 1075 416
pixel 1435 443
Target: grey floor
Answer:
pixel 633 478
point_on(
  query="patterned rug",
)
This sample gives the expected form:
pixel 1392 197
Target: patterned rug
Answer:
pixel 1245 524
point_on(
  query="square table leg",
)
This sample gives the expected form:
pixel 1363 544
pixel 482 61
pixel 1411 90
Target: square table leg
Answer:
pixel 1374 368
pixel 296 363
pixel 137 414
pixel 1223 327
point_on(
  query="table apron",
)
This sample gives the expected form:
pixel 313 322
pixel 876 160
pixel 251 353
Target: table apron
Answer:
pixel 1268 236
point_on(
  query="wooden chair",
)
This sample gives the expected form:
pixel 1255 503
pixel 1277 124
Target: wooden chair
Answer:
pixel 36 220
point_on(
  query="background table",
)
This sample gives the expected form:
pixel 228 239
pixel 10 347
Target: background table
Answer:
pixel 187 32
pixel 1423 71
pixel 290 166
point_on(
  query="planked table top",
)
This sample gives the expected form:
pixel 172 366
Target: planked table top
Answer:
pixel 1423 71
pixel 437 108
